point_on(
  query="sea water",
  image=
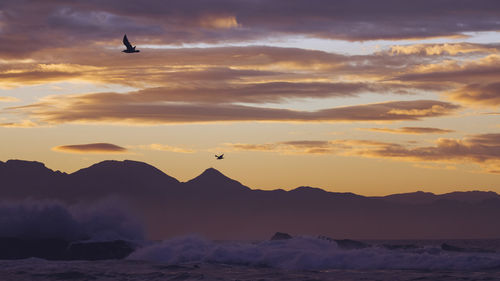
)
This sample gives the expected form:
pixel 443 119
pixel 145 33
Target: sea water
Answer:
pixel 301 258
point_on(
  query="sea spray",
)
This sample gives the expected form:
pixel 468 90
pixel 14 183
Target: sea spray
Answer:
pixel 309 253
pixel 41 219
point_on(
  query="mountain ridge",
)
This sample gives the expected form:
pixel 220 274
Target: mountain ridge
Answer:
pixel 212 174
pixel 219 207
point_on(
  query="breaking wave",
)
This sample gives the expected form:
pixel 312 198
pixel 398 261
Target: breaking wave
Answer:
pixel 307 253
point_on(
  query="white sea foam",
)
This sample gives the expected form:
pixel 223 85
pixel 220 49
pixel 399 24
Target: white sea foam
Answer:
pixel 309 253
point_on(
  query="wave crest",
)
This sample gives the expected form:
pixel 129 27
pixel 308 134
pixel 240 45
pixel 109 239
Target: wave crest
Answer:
pixel 307 253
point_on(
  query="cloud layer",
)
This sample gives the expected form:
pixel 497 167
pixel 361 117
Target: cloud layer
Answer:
pixel 259 75
pixel 101 148
pixel 219 61
pixel 164 147
pixel 412 130
pixel 482 149
pixel 57 110
pixel 195 21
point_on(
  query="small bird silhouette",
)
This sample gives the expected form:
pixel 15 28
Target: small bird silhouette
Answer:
pixel 127 44
pixel 219 157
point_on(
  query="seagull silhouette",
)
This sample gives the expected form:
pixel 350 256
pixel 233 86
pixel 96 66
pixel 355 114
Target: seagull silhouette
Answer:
pixel 127 44
pixel 219 157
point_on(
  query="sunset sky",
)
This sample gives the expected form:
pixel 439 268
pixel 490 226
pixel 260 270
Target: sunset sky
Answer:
pixel 370 97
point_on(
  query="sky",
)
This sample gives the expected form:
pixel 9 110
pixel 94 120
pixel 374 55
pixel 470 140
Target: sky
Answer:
pixel 371 97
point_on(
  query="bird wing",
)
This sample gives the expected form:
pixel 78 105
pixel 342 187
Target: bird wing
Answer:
pixel 126 42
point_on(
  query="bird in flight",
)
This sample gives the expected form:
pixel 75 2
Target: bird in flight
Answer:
pixel 127 44
pixel 219 157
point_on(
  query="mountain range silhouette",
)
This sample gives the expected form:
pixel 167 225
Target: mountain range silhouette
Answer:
pixel 219 207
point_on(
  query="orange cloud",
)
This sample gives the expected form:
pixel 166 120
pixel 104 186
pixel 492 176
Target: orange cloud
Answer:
pixel 290 147
pixel 98 108
pixel 172 80
pixel 21 124
pixel 8 99
pixel 481 149
pixel 442 49
pixel 411 130
pixel 257 74
pixel 274 92
pixel 480 94
pixel 100 148
pixel 165 147
pixel 219 22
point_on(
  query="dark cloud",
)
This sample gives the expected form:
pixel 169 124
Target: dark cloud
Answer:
pixel 171 80
pixel 483 149
pixel 486 95
pixel 174 68
pixel 80 109
pixel 469 81
pixel 31 25
pixel 256 93
pixel 261 74
pixel 486 70
pixel 412 130
pixel 91 148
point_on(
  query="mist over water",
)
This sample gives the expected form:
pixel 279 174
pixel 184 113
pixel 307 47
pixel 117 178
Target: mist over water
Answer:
pixel 105 220
pixel 193 257
pixel 109 220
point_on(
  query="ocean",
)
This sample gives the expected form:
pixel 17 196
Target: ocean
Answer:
pixel 301 258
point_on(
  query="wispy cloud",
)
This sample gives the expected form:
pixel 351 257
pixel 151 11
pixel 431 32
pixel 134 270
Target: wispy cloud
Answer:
pixel 164 147
pixel 196 21
pixel 443 49
pixel 411 130
pixel 466 73
pixel 98 148
pixel 480 94
pixel 291 147
pixel 98 108
pixel 8 99
pixel 20 124
pixel 481 149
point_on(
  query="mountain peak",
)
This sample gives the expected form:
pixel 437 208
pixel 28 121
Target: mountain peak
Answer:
pixel 211 175
pixel 212 172
pixel 124 169
pixel 307 189
pixel 115 164
pixel 124 163
pixel 213 178
pixel 23 167
pixel 15 163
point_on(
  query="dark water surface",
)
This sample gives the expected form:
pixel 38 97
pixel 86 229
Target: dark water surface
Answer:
pixel 35 269
pixel 300 258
